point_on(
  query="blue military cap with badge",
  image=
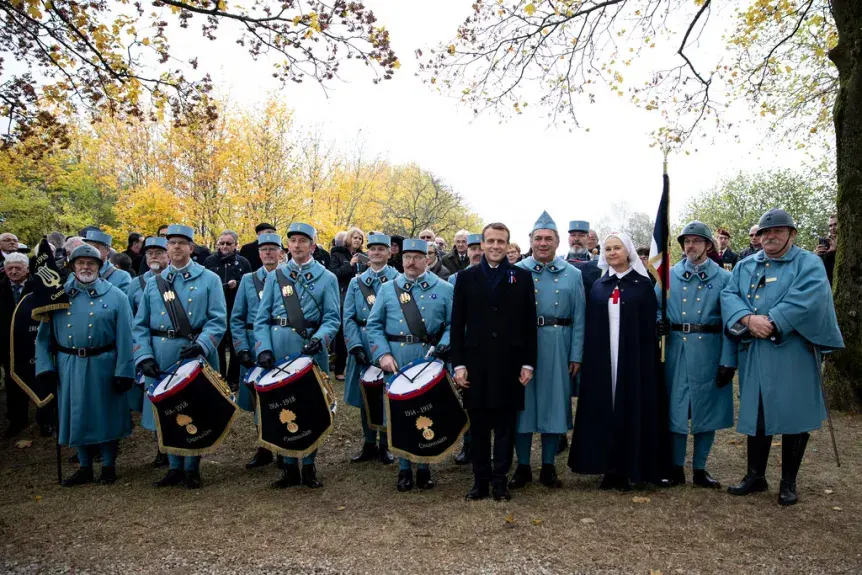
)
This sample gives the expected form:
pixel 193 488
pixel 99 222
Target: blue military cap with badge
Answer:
pixel 414 245
pixel 379 240
pixel 155 242
pixel 269 240
pixel 98 237
pixel 579 226
pixel 181 231
pixel 545 222
pixel 474 239
pixel 301 228
pixel 85 251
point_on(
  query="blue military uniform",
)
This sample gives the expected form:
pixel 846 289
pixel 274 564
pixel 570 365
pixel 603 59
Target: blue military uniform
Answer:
pixel 696 348
pixel 317 290
pixel 560 313
pixel 93 345
pixel 242 326
pixel 109 272
pixel 386 323
pixel 779 376
pixel 200 293
pixel 357 308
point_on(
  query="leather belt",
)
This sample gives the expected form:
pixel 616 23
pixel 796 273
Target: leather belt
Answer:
pixel 410 339
pixel 543 321
pixel 172 333
pixel 86 351
pixel 285 322
pixel 696 327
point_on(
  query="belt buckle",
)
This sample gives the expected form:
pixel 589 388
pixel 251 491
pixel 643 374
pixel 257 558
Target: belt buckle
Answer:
pixel 540 321
pixel 686 328
pixel 172 334
pixel 282 322
pixel 409 339
pixel 81 352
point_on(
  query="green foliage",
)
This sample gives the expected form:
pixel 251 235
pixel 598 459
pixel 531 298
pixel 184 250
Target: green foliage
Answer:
pixel 737 203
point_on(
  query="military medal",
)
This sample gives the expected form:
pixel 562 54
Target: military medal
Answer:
pixel 287 291
pixel 371 299
pixel 170 295
pixel 404 297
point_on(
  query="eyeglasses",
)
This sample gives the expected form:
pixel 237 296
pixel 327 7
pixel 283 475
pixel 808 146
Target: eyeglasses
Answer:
pixel 226 243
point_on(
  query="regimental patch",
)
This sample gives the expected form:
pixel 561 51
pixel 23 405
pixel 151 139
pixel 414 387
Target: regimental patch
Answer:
pixel 425 285
pixel 552 267
pixel 187 275
pixel 702 275
pixel 309 276
pixel 383 279
pixel 369 280
pixel 294 274
pixel 170 277
pixel 404 297
pixel 537 268
pixel 72 292
pixel 92 293
pixel 408 286
pixel 686 275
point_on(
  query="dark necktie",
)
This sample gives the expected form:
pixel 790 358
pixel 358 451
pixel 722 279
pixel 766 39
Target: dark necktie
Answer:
pixel 17 291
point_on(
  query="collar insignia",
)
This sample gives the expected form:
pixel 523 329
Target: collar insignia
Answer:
pixel 702 275
pixel 293 275
pixel 187 275
pixel 537 267
pixel 686 275
pixel 552 267
pixel 424 285
pixel 170 277
pixel 408 286
pixel 308 276
pixel 383 279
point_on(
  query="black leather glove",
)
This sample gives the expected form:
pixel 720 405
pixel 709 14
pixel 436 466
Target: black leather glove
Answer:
pixel 150 368
pixel 266 360
pixel 441 352
pixel 191 350
pixel 312 347
pixel 724 376
pixel 359 354
pixel 48 381
pixel 244 358
pixel 662 328
pixel 123 384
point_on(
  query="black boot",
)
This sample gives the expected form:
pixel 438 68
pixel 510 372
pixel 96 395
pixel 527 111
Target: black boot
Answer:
pixel 423 479
pixel 522 476
pixel 614 481
pixel 500 490
pixel 309 476
pixel 80 477
pixel 563 445
pixel 262 457
pixel 792 451
pixel 289 477
pixel 675 477
pixel 758 456
pixel 386 458
pixel 702 478
pixel 463 458
pixel 477 492
pixel 161 460
pixel 369 452
pixel 548 476
pixel 405 480
pixel 193 480
pixel 174 477
pixel 108 475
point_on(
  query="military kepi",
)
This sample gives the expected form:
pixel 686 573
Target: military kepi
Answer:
pixel 155 242
pixel 414 245
pixel 301 228
pixel 379 240
pixel 85 251
pixel 579 226
pixel 181 231
pixel 269 240
pixel 695 228
pixel 474 239
pixel 98 237
pixel 545 222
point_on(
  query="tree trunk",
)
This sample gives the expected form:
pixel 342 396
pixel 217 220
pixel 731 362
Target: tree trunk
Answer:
pixel 844 369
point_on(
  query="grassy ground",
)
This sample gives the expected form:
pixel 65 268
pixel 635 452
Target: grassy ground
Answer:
pixel 358 523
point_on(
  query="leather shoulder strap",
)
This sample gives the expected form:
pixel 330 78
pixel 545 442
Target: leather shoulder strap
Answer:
pixel 258 285
pixel 367 292
pixel 109 273
pixel 174 307
pixel 411 312
pixel 141 280
pixel 291 303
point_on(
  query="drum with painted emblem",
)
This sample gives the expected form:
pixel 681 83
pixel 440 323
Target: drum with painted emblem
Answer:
pixel 424 416
pixel 372 385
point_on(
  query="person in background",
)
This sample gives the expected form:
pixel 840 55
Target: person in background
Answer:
pixel 135 253
pixel 753 246
pixel 728 257
pixel 435 264
pixel 395 258
pixel 348 260
pixel 56 239
pixel 458 259
pixel 250 250
pixel 428 235
pixel 593 244
pixel 513 254
pixel 8 245
pixel 122 261
pixel 826 249
pixel 109 272
pixel 441 244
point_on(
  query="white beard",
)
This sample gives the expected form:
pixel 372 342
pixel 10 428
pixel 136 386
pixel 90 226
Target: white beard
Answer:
pixel 85 277
pixel 155 267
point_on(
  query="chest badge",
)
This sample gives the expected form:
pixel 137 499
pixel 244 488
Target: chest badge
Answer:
pixel 404 297
pixel 170 295
pixel 287 291
pixel 260 294
pixel 371 299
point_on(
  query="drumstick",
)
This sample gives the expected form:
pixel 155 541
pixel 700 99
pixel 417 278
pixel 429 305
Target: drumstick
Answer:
pixel 427 355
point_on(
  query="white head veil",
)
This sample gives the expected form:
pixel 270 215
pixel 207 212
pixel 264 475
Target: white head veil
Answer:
pixel 634 261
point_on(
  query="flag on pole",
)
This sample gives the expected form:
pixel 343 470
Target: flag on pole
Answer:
pixel 659 256
pixel 46 285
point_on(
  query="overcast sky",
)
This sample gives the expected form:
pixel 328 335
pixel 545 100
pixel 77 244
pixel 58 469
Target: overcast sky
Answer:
pixel 507 171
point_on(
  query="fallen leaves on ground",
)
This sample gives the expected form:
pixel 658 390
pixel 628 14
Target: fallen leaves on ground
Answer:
pixel 23 443
pixel 828 491
pixel 587 520
pixel 536 521
pixel 638 499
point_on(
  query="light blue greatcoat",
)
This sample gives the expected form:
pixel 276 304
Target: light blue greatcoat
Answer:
pixel 90 410
pixel 242 327
pixel 200 292
pixel 794 292
pixel 135 395
pixel 355 318
pixel 548 396
pixel 317 289
pixel 434 298
pixel 119 278
pixel 692 359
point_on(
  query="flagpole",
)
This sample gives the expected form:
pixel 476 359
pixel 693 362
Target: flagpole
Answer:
pixel 665 250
